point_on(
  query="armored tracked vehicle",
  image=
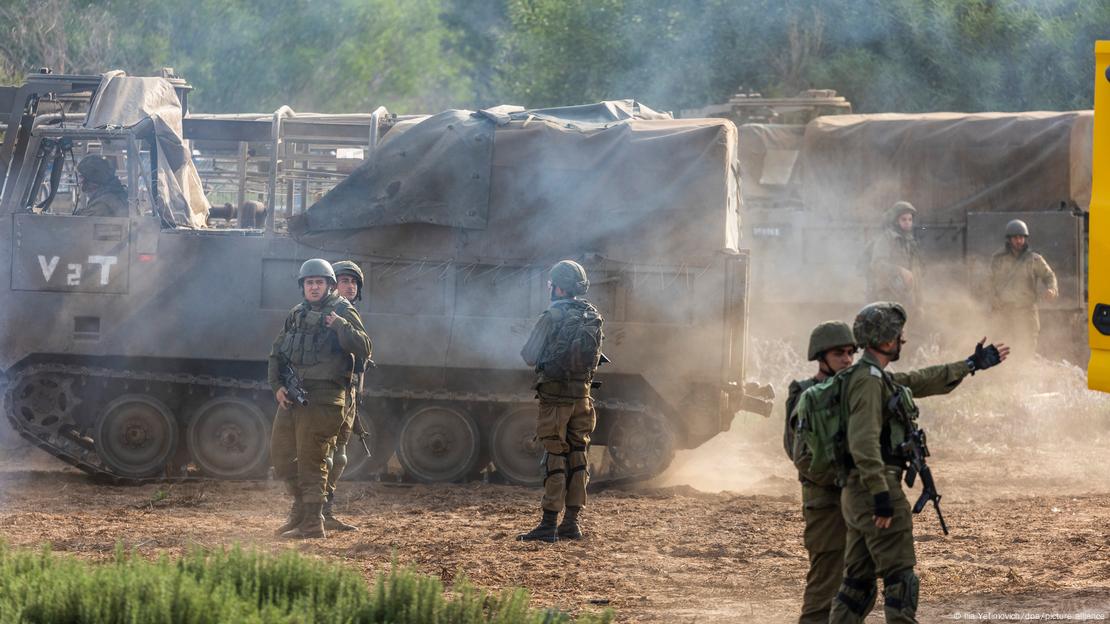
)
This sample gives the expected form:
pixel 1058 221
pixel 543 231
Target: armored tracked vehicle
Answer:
pixel 135 347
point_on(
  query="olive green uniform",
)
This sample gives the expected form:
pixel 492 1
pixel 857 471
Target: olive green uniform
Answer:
pixel 894 250
pixel 825 529
pixel 873 431
pixel 565 421
pixel 1015 285
pixel 323 358
pixel 109 200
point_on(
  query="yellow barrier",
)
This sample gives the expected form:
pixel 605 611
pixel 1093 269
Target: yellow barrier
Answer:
pixel 1098 307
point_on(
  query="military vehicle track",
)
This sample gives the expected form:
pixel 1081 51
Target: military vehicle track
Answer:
pixel 117 424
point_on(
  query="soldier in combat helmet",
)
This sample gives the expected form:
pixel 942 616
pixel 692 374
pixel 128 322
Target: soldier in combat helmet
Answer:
pixel 895 269
pixel 350 280
pixel 566 411
pixel 878 517
pixel 832 345
pixel 105 195
pixel 1019 277
pixel 321 339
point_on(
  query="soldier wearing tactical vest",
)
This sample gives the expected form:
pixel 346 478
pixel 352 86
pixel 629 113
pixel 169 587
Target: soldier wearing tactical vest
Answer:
pixel 105 196
pixel 878 518
pixel 321 339
pixel 350 280
pixel 566 411
pixel 1019 277
pixel 833 346
pixel 895 268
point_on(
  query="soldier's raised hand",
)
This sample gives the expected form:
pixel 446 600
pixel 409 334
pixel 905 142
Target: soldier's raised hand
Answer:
pixel 987 356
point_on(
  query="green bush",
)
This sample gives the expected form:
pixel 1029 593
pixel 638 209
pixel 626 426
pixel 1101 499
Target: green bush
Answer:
pixel 242 586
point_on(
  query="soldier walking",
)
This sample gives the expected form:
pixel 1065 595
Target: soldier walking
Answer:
pixel 879 542
pixel 895 267
pixel 349 276
pixel 321 338
pixel 1019 278
pixel 564 348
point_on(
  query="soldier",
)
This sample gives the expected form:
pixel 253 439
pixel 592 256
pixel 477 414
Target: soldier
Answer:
pixel 350 288
pixel 879 522
pixel 566 410
pixel 895 267
pixel 321 339
pixel 1017 273
pixel 105 195
pixel 833 346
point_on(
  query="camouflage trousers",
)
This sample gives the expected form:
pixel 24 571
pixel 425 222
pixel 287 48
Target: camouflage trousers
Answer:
pixel 872 553
pixel 824 541
pixel 564 430
pixel 300 443
pixel 337 453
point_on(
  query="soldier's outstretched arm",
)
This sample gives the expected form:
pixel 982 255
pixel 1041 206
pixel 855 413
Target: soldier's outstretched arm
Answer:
pixel 933 380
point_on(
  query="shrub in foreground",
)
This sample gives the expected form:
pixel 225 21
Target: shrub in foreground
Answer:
pixel 239 585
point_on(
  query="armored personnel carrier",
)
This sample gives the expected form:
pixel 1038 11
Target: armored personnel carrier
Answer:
pixel 135 347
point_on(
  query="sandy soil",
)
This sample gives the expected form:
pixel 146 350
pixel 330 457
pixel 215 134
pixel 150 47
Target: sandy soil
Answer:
pixel 666 553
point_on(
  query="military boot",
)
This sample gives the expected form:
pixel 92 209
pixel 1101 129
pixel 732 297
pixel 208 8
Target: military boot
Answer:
pixel 296 512
pixel 568 528
pixel 545 531
pixel 312 524
pixel 332 523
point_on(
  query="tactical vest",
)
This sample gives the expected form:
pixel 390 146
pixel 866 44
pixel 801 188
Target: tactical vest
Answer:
pixel 312 347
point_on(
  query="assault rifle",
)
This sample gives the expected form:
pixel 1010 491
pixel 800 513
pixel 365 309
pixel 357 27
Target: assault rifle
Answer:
pixel 359 429
pixel 914 450
pixel 294 389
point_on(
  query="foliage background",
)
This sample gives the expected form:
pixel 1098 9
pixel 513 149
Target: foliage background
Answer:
pixel 426 55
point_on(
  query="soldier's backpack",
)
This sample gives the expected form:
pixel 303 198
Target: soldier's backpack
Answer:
pixel 820 431
pixel 574 350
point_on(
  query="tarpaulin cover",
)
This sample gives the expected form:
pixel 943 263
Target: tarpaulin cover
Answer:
pixel 627 190
pixel 946 164
pixel 123 101
pixel 770 163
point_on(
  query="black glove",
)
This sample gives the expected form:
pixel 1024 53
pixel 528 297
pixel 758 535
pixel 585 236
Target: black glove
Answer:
pixel 883 507
pixel 983 358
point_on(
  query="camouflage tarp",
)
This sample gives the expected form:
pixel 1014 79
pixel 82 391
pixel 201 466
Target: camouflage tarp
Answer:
pixel 946 164
pixel 628 189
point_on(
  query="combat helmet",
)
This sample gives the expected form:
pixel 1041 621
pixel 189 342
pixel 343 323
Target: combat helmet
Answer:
pixel 316 267
pixel 1017 227
pixel 829 335
pixel 97 169
pixel 570 276
pixel 350 268
pixel 898 209
pixel 878 323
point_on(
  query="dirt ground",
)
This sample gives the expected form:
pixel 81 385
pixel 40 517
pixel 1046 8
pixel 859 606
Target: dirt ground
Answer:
pixel 665 553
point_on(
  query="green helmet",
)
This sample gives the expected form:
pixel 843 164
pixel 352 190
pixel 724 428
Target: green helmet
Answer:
pixel 878 323
pixel 829 335
pixel 349 267
pixel 97 169
pixel 571 277
pixel 898 209
pixel 1016 227
pixel 316 267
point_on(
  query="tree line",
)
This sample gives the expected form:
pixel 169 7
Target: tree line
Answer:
pixel 427 55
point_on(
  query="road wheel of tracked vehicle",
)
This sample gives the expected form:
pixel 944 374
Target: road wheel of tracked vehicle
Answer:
pixel 641 445
pixel 229 438
pixel 516 454
pixel 42 403
pixel 135 436
pixel 438 444
pixel 382 440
